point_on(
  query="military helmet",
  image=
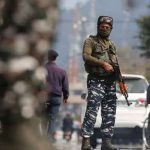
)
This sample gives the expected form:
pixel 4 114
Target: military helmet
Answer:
pixel 105 19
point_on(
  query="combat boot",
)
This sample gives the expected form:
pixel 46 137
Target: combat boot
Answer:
pixel 86 144
pixel 107 145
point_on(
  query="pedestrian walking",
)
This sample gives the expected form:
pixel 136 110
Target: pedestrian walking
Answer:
pixel 58 90
pixel 99 52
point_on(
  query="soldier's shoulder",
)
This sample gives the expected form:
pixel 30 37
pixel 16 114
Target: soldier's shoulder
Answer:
pixel 88 39
pixel 92 37
pixel 112 43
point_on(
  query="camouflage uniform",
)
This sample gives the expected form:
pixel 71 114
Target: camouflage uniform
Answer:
pixel 99 54
pixel 101 86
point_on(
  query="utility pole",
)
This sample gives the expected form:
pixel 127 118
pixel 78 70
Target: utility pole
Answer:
pixel 74 46
pixel 92 16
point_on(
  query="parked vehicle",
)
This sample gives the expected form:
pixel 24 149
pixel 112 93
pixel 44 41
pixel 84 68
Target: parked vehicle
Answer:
pixel 146 133
pixel 129 119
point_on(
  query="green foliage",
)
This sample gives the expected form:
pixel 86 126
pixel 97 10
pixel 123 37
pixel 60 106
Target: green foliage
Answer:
pixel 144 35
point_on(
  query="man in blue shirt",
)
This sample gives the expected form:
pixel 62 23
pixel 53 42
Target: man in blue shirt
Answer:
pixel 58 90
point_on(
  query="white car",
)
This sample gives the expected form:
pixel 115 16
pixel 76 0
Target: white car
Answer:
pixel 134 114
pixel 129 119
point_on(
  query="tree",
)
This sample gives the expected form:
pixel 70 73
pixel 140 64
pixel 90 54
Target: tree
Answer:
pixel 144 36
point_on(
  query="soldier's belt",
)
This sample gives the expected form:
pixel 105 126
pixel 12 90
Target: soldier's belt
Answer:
pixel 101 77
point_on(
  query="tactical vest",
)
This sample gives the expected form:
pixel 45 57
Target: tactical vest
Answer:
pixel 100 51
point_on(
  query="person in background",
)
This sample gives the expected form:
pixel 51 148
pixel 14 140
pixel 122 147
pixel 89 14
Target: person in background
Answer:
pixel 67 126
pixel 146 105
pixel 99 55
pixel 148 97
pixel 57 90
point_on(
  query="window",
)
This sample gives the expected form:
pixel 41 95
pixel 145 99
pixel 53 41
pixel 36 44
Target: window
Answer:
pixel 135 85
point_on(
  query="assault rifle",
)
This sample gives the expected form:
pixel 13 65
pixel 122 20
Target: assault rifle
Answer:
pixel 120 79
pixel 122 85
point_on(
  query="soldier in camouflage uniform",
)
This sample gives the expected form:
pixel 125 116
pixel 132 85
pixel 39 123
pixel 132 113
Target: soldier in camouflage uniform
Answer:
pixel 98 53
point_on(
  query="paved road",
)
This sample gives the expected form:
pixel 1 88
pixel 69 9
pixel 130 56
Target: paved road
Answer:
pixel 74 145
pixel 63 145
pixel 71 145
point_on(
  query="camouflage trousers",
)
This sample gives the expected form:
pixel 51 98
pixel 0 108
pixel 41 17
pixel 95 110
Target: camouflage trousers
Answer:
pixel 100 93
